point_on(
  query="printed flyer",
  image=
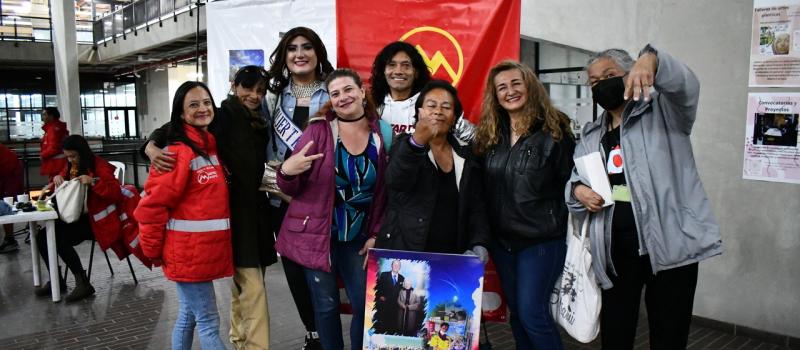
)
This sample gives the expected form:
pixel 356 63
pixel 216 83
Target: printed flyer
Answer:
pixel 422 301
pixel 771 152
pixel 775 44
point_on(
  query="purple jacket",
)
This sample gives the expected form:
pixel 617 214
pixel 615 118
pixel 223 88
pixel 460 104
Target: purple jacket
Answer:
pixel 305 236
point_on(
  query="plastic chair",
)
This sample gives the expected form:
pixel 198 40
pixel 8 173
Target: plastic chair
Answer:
pixel 119 173
pixel 91 261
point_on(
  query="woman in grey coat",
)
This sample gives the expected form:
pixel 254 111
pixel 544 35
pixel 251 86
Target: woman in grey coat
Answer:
pixel 660 224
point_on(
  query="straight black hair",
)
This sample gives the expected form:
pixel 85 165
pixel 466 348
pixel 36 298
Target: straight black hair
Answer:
pixel 85 155
pixel 176 132
pixel 53 112
pixel 439 84
pixel 251 76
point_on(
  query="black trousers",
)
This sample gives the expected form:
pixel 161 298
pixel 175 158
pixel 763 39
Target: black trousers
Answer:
pixel 67 236
pixel 669 298
pixel 295 274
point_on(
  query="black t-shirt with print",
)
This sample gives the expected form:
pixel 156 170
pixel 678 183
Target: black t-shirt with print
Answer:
pixel 623 224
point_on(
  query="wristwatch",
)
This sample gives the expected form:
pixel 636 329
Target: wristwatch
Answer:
pixel 648 49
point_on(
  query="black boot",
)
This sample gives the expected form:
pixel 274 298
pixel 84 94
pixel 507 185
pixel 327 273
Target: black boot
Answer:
pixel 46 290
pixel 82 289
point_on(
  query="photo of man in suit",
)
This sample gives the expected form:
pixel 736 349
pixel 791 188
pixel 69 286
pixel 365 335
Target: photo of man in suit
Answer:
pixel 387 291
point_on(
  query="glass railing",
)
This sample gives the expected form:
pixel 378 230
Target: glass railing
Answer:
pixel 133 17
pixel 38 29
pixel 138 15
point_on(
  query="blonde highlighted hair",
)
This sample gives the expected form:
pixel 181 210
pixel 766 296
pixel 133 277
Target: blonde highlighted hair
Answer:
pixel 537 107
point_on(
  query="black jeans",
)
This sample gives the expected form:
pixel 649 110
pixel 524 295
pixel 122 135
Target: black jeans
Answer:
pixel 67 236
pixel 295 274
pixel 669 298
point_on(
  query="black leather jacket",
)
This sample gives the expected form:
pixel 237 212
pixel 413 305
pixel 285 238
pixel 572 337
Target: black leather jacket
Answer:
pixel 411 199
pixel 525 187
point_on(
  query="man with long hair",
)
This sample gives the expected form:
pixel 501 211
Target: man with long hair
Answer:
pixel 398 74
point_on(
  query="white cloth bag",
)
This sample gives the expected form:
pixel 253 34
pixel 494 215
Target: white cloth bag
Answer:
pixel 575 302
pixel 71 200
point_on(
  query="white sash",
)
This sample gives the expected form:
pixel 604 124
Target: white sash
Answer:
pixel 285 128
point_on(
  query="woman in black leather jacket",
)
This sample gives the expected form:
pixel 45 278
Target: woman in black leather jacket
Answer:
pixel 433 184
pixel 527 147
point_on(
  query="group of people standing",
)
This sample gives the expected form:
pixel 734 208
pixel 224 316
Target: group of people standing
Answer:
pixel 399 167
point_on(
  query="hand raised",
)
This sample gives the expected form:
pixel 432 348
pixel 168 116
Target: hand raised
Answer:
pixel 641 77
pixel 299 163
pixel 426 128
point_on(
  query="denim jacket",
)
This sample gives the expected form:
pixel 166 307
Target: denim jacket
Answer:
pixel 276 149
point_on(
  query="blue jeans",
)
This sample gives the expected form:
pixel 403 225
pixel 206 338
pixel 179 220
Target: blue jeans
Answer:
pixel 325 295
pixel 527 277
pixel 198 306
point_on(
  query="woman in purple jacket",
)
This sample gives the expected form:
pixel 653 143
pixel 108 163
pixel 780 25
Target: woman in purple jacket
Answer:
pixel 336 184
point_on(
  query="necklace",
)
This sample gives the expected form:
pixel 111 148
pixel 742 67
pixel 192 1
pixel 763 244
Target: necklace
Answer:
pixel 350 120
pixel 304 91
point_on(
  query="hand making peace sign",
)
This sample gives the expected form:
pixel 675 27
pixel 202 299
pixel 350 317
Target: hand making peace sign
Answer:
pixel 299 163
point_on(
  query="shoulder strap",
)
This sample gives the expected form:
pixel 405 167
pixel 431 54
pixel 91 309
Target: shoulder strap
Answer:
pixel 386 133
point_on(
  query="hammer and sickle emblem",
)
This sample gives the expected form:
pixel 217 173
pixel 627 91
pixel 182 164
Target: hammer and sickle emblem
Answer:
pixel 437 60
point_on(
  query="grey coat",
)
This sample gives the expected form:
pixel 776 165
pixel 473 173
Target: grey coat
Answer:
pixel 673 217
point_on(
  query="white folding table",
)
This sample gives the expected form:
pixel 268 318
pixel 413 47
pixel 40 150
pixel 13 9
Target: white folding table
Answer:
pixel 48 218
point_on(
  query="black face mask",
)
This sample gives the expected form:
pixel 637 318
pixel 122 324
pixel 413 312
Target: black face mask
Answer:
pixel 609 93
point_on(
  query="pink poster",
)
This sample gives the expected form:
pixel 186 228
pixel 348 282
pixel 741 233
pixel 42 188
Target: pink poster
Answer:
pixel 771 152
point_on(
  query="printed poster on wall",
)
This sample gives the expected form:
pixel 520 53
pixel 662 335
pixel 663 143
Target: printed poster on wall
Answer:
pixel 775 44
pixel 771 152
pixel 422 301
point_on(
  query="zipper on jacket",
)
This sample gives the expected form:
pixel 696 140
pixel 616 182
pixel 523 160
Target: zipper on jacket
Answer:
pixel 630 188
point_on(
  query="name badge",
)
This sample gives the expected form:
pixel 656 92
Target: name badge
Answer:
pixel 620 193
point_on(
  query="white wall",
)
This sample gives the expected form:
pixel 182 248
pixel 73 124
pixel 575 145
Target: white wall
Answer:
pixel 755 283
pixel 157 104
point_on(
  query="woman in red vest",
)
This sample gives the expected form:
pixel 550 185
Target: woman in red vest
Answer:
pixel 101 199
pixel 55 131
pixel 184 217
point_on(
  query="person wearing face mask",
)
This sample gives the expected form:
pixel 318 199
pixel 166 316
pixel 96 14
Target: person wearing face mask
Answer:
pixel 242 137
pixel 660 225
pixel 398 74
pixel 526 145
pixel 299 66
pixel 336 181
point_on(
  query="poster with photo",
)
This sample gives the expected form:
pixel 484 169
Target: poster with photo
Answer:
pixel 422 301
pixel 771 147
pixel 775 43
pixel 241 58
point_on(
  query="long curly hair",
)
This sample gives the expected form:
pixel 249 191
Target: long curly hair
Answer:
pixel 380 88
pixel 538 108
pixel 280 72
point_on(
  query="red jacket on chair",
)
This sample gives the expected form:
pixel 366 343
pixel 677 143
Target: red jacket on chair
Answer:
pixel 184 215
pixel 130 228
pixel 53 160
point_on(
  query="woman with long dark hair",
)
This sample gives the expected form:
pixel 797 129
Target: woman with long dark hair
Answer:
pixel 336 181
pixel 527 147
pixel 242 136
pixel 103 192
pixel 299 66
pixel 184 219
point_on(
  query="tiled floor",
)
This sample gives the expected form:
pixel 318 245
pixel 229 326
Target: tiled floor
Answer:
pixel 123 315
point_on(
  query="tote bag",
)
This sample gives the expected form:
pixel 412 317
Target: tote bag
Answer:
pixel 71 200
pixel 575 302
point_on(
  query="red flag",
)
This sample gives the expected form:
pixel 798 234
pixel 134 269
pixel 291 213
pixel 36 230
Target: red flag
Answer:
pixel 459 39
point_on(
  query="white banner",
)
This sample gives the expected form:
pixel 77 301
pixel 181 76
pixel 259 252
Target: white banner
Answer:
pixel 244 32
